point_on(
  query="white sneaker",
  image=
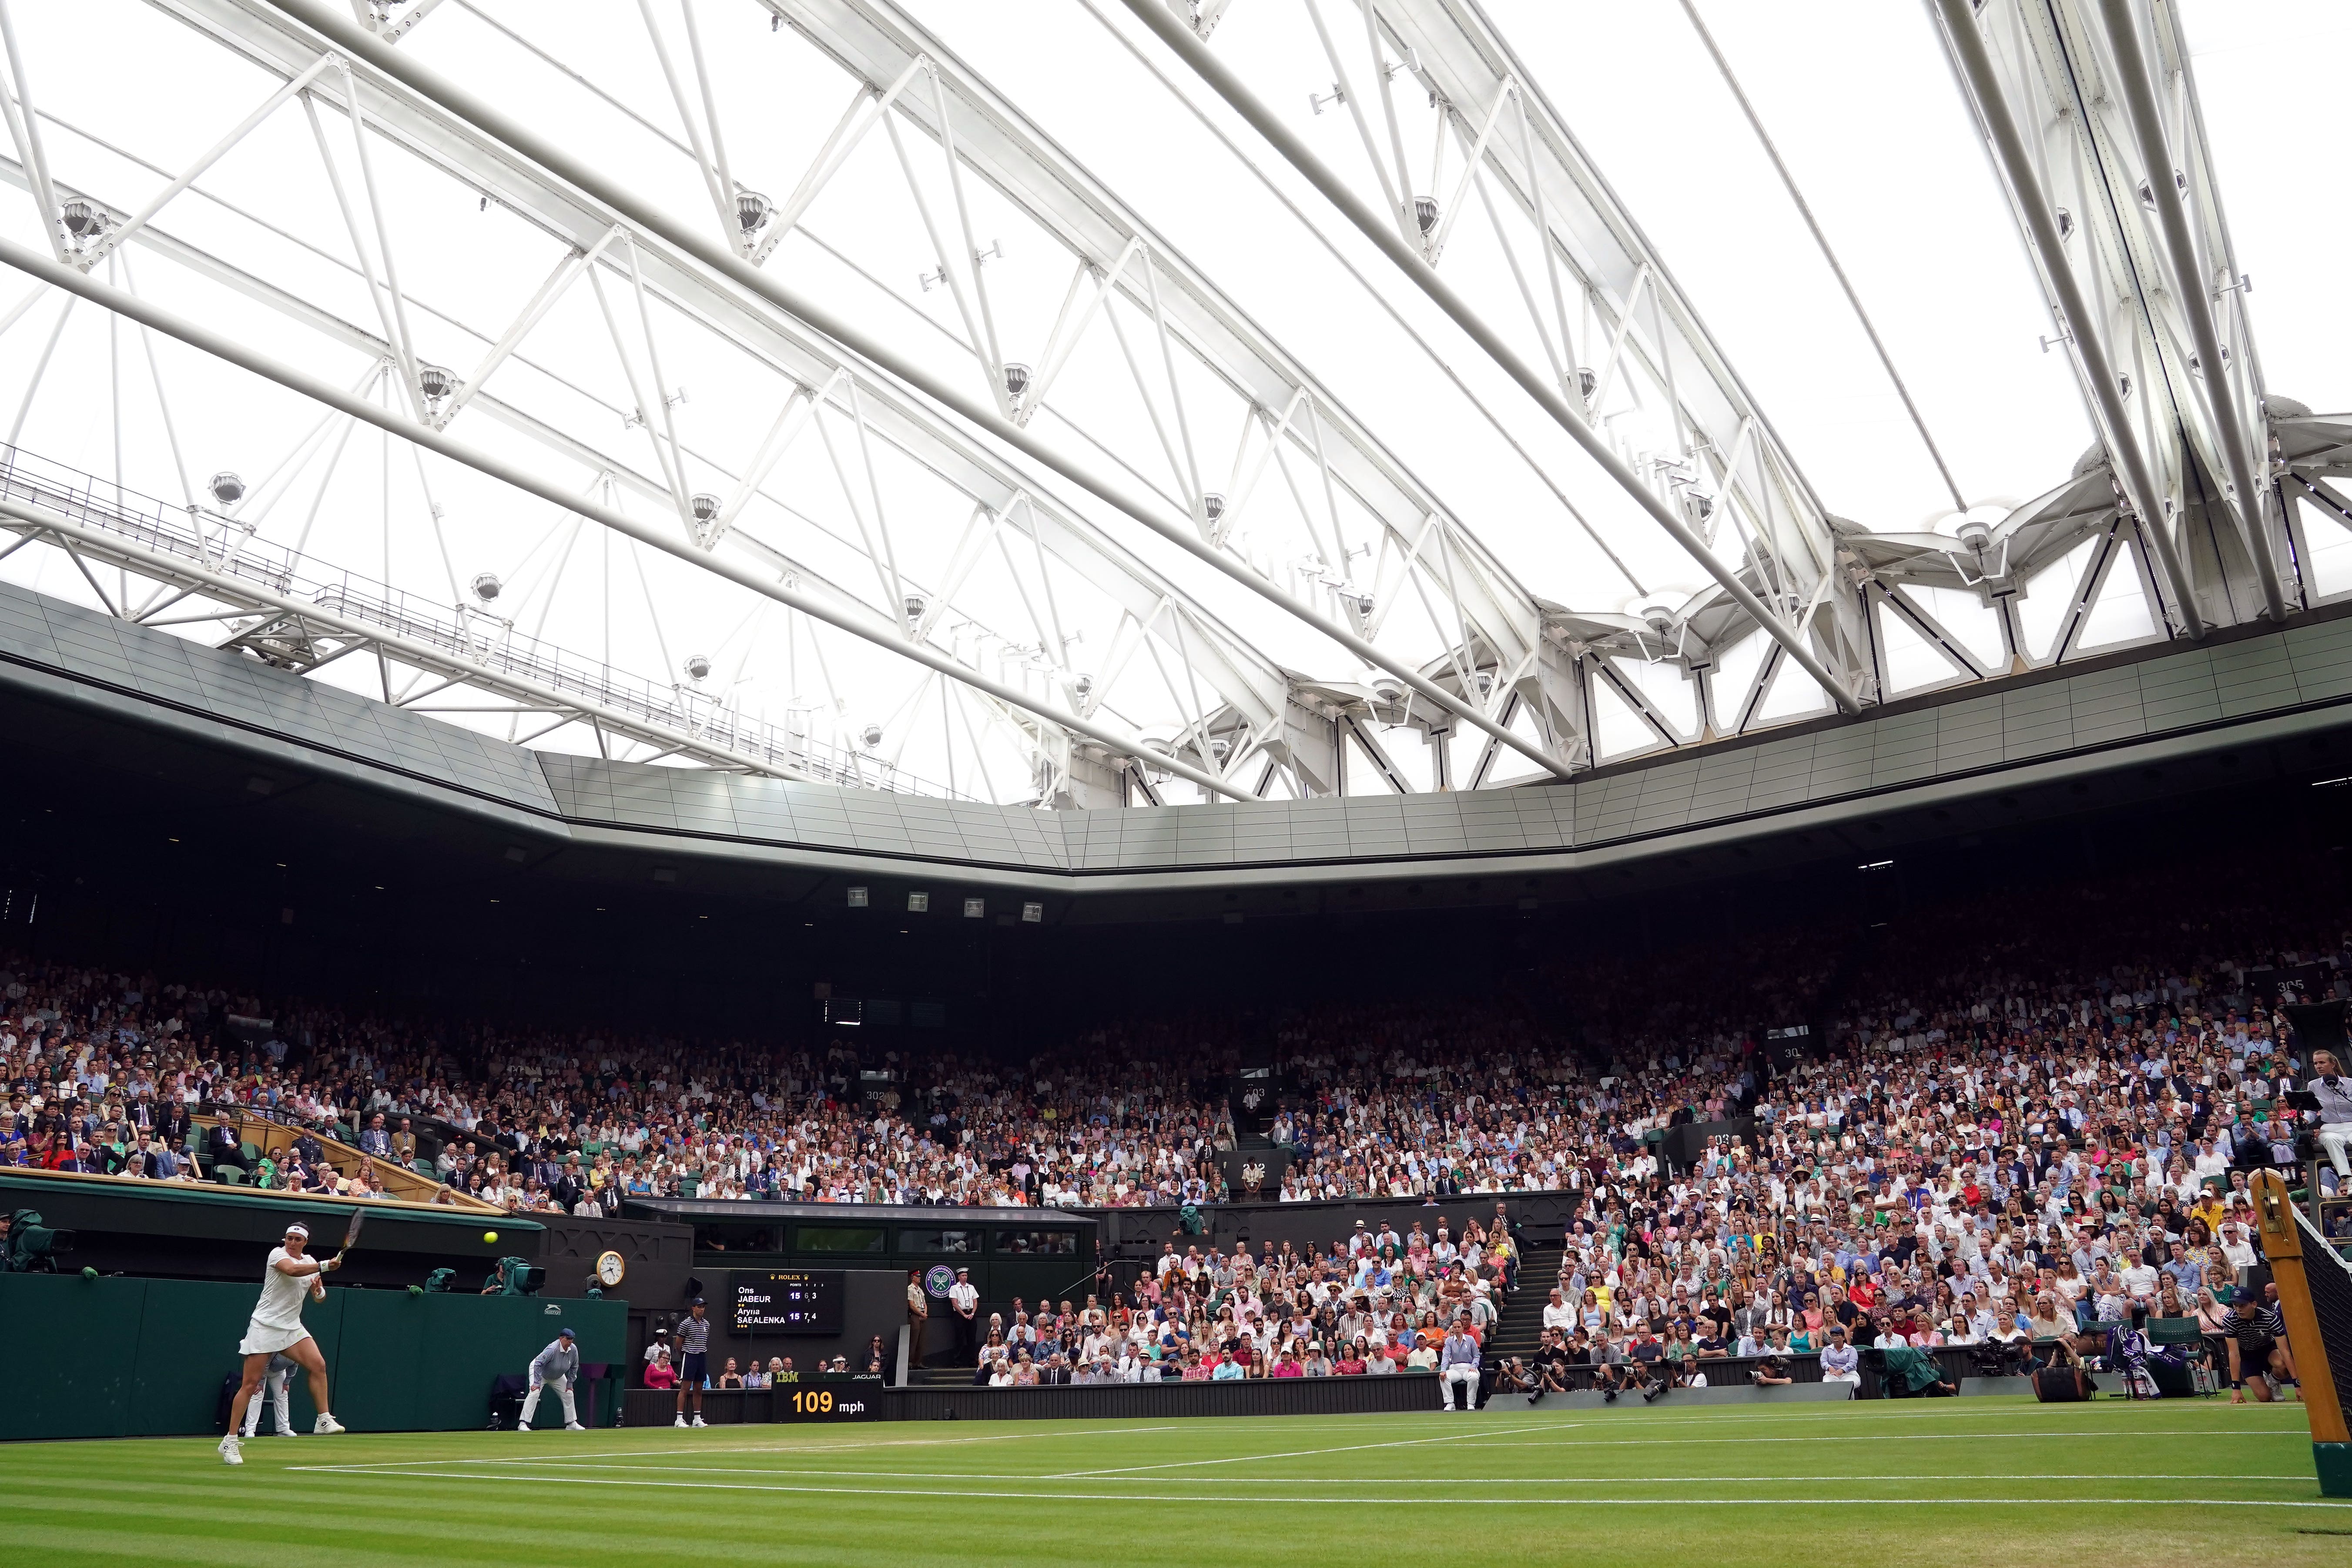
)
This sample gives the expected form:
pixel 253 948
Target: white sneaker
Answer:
pixel 573 1427
pixel 522 1426
pixel 698 1421
pixel 326 1425
pixel 231 1452
pixel 679 1422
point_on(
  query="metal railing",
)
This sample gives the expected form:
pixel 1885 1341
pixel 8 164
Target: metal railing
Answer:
pixel 473 646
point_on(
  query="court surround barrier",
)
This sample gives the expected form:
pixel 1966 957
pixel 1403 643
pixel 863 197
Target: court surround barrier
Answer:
pixel 146 1357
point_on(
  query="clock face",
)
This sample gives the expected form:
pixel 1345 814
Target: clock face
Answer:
pixel 610 1267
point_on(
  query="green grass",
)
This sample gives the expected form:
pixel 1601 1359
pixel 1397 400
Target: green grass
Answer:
pixel 1944 1485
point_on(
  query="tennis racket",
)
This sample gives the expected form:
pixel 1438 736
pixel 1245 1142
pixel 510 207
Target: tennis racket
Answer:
pixel 351 1231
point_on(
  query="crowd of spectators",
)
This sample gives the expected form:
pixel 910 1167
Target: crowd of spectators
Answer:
pixel 2001 1081
pixel 1374 1304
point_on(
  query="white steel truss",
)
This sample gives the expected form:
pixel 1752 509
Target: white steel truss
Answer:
pixel 2090 113
pixel 1016 509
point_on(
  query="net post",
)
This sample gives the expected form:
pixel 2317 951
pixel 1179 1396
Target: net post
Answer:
pixel 2316 1360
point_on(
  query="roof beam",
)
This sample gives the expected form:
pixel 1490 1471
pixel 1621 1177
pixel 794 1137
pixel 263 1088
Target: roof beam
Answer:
pixel 1155 14
pixel 666 540
pixel 2117 204
pixel 520 145
pixel 876 41
pixel 257 30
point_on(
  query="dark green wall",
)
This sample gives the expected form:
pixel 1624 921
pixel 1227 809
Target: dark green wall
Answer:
pixel 116 1357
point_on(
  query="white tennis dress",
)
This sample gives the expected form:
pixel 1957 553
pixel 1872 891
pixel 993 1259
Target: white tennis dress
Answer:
pixel 277 1322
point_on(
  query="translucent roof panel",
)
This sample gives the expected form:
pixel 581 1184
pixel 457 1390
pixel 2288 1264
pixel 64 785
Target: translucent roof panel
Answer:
pixel 1051 215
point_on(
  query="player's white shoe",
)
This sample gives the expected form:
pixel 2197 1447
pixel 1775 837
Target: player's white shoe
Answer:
pixel 231 1452
pixel 679 1422
pixel 573 1427
pixel 522 1426
pixel 327 1426
pixel 698 1421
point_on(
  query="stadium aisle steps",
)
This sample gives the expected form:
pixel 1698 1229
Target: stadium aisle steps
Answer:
pixel 1519 1330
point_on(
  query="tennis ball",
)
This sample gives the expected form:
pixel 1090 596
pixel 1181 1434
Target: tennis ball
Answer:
pixel 489 1236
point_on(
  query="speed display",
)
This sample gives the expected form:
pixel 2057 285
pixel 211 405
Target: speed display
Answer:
pixel 788 1301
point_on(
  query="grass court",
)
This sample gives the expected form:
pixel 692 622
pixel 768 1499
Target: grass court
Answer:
pixel 1949 1484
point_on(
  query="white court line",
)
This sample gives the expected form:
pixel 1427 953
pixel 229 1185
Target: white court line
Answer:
pixel 1358 1499
pixel 1897 1437
pixel 1295 1453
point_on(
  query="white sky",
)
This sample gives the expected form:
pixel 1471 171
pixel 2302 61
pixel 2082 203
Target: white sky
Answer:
pixel 1856 93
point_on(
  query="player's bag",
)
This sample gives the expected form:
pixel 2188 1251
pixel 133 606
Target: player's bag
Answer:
pixel 2060 1386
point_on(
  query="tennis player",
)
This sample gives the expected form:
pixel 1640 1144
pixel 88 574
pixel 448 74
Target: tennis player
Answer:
pixel 276 1328
pixel 276 1383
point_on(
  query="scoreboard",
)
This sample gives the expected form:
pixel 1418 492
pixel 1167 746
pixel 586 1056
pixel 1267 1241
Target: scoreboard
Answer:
pixel 788 1300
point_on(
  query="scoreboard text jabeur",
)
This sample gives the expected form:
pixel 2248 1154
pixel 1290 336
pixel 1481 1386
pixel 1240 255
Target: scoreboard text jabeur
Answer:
pixel 788 1301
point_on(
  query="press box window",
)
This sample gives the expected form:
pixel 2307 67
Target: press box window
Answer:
pixel 1043 1242
pixel 836 1238
pixel 951 1243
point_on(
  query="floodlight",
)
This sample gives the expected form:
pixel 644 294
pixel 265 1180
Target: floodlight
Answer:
pixel 1212 506
pixel 871 735
pixel 1016 379
pixel 1424 213
pixel 435 382
pixel 704 505
pixel 752 210
pixel 228 488
pixel 487 586
pixel 698 667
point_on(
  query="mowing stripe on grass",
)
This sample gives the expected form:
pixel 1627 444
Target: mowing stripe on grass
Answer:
pixel 1358 1499
pixel 1456 1481
pixel 1295 1453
